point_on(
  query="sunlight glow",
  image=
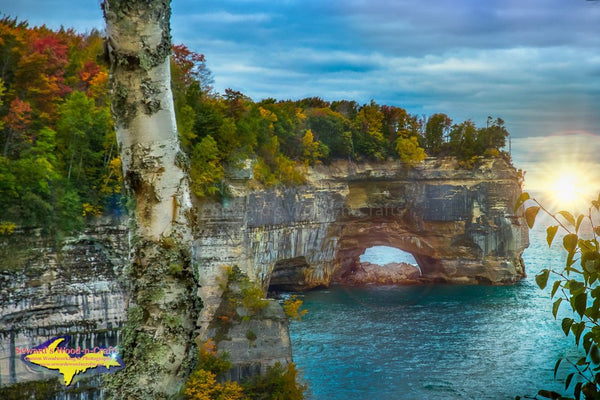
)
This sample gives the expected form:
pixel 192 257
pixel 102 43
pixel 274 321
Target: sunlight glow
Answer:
pixel 561 170
pixel 564 189
pixel 569 187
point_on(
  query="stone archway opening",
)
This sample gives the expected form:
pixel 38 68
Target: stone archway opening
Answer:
pixel 383 255
pixel 383 265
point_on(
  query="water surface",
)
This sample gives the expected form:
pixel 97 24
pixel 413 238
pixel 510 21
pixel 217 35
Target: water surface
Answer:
pixel 433 342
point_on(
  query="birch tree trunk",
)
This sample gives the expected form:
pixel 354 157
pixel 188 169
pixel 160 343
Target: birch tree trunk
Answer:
pixel 158 337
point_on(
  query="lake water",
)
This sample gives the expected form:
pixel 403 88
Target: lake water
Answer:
pixel 433 342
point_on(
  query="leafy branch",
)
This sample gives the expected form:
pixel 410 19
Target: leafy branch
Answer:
pixel 579 288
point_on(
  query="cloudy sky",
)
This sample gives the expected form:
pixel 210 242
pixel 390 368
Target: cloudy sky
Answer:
pixel 535 63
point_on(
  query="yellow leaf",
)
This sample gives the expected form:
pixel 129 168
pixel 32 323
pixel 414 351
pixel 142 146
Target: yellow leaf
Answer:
pixel 530 214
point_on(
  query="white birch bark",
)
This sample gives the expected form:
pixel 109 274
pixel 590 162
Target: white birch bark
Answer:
pixel 158 337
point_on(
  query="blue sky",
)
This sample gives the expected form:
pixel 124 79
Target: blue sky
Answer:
pixel 535 63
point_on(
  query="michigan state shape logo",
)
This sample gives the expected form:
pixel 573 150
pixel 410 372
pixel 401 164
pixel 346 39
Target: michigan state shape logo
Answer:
pixel 56 356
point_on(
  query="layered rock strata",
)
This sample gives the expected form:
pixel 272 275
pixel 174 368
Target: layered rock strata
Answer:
pixel 458 224
pixel 50 289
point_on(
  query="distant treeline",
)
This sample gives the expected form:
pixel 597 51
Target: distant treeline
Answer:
pixel 59 161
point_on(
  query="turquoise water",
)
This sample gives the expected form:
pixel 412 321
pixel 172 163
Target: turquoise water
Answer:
pixel 433 342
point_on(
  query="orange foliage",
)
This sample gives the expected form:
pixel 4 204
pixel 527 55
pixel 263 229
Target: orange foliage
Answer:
pixel 202 383
pixel 19 115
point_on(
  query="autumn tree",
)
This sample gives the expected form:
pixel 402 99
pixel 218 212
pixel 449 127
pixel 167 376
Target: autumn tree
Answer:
pixel 368 136
pixel 191 69
pixel 409 150
pixel 463 140
pixel 436 130
pixel 398 122
pixel 493 136
pixel 333 130
pixel 16 125
pixel 347 108
pixel 207 167
pixel 313 151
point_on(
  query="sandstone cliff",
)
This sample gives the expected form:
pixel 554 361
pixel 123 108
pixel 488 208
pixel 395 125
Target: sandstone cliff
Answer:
pixel 459 225
pixel 50 289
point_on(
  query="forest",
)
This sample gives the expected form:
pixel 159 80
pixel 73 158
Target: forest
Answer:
pixel 59 161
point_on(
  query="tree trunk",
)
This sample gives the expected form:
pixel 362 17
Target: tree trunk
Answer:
pixel 158 337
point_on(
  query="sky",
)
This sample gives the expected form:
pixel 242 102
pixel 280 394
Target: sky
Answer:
pixel 534 63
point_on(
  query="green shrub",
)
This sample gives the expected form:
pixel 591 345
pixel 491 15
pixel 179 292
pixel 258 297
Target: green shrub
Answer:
pixel 280 383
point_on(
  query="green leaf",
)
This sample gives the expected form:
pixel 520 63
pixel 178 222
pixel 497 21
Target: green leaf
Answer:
pixel 590 258
pixel 530 214
pixel 580 303
pixel 542 278
pixel 522 199
pixel 577 329
pixel 566 325
pixel 593 277
pixel 579 219
pixel 555 287
pixel 590 246
pixel 545 393
pixel 555 306
pixel 589 390
pixel 577 391
pixel 549 394
pixel 595 354
pixel 570 261
pixel 590 266
pixel 557 365
pixel 575 286
pixel 568 380
pixel 570 242
pixel 592 312
pixel 550 233
pixel 587 342
pixel 568 216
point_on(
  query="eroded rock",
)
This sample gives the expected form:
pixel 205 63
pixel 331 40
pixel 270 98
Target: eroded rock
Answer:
pixel 389 274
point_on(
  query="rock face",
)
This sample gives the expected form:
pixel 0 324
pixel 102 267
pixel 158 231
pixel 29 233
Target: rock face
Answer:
pixel 49 289
pixel 458 224
pixel 388 274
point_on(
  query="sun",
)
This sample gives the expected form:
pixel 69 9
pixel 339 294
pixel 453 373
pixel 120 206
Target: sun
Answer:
pixel 569 188
pixel 562 170
pixel 564 190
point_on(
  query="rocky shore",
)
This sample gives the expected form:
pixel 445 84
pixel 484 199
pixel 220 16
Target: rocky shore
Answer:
pixel 388 274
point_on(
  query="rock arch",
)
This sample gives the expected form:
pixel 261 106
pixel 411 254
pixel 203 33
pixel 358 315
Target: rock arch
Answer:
pixel 459 224
pixel 359 236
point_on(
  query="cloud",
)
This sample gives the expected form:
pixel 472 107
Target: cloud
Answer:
pixel 224 17
pixel 535 63
pixel 439 25
pixel 82 15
